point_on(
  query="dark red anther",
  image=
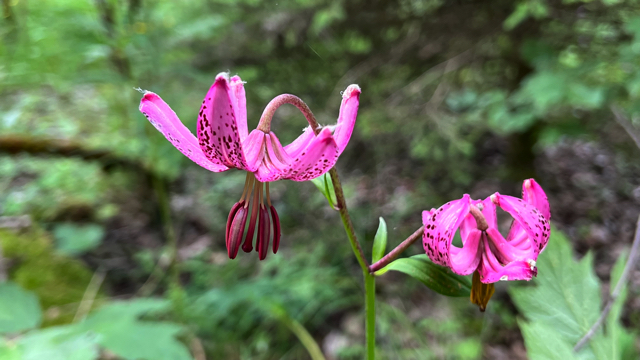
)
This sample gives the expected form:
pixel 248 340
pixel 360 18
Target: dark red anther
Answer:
pixel 232 214
pixel 247 247
pixel 235 232
pixel 276 228
pixel 264 233
pixel 248 239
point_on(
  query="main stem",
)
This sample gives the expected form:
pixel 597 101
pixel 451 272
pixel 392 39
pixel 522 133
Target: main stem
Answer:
pixel 369 279
pixel 346 220
pixel 370 313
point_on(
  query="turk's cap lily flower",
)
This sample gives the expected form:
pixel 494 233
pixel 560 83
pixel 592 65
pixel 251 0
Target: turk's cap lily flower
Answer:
pixel 484 250
pixel 223 142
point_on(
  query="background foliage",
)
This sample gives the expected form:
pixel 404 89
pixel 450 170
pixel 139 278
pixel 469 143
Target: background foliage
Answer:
pixel 458 97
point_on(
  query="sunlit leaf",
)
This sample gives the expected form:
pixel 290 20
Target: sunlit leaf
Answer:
pixel 379 241
pixel 19 309
pixel 59 343
pixel 73 239
pixel 325 185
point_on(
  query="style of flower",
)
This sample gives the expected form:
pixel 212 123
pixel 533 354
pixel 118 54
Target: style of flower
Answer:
pixel 485 252
pixel 223 143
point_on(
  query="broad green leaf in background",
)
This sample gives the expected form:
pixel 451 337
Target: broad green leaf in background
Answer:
pixel 544 342
pixel 19 309
pixel 9 350
pixel 120 331
pixel 59 343
pixel 73 239
pixel 114 327
pixel 435 277
pixel 563 305
pixel 379 241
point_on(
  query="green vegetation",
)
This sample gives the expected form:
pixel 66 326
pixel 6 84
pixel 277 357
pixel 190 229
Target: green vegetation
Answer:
pixel 123 254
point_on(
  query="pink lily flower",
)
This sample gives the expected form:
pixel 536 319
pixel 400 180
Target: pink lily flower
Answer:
pixel 485 252
pixel 223 143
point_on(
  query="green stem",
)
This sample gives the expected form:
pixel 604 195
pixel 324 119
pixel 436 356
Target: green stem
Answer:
pixel 369 279
pixel 346 220
pixel 370 310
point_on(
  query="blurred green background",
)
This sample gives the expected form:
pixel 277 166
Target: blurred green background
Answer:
pixel 458 97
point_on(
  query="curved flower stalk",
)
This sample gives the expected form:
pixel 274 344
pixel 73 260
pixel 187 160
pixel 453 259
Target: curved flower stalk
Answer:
pixel 485 252
pixel 223 142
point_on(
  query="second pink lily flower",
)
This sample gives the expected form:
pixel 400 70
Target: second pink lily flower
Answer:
pixel 223 142
pixel 483 247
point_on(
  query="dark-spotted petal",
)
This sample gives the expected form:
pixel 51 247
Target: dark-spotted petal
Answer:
pixel 166 121
pixel 318 158
pixel 218 133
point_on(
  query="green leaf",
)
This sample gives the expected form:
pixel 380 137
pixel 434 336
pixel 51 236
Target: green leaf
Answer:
pixel 73 239
pixel 9 350
pixel 325 185
pixel 19 309
pixel 379 241
pixel 59 343
pixel 564 304
pixel 545 342
pixel 435 277
pixel 120 331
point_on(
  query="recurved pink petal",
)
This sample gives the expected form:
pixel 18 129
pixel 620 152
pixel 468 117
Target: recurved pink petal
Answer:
pixel 440 226
pixel 508 252
pixel 529 219
pixel 253 146
pixel 533 194
pixel 240 100
pixel 318 158
pixel 166 121
pixel 347 117
pixel 218 133
pixel 465 260
pixel 277 157
pixel 300 143
pixel 491 270
pixel 276 161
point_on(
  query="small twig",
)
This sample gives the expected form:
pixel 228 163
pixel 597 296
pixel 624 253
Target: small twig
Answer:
pixel 616 292
pixel 626 124
pixel 303 335
pixel 90 294
pixel 3 267
pixel 197 349
pixel 393 254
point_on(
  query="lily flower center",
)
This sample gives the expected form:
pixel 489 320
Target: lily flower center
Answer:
pixel 252 206
pixel 263 150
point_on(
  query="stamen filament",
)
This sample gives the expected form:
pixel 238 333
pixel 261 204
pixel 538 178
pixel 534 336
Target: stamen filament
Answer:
pixel 268 196
pixel 248 185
